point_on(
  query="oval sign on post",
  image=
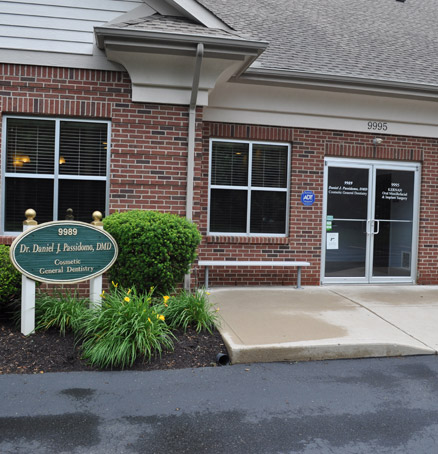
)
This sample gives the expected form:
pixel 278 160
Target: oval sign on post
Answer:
pixel 63 252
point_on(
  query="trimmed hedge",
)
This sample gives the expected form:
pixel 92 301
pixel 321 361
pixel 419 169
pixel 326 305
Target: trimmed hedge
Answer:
pixel 10 278
pixel 155 249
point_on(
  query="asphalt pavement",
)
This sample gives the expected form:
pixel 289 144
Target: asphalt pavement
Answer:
pixel 369 406
pixel 384 405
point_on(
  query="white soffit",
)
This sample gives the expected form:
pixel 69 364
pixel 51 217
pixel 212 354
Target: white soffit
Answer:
pixel 168 77
pixel 159 54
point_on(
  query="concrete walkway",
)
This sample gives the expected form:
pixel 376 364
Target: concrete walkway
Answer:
pixel 264 324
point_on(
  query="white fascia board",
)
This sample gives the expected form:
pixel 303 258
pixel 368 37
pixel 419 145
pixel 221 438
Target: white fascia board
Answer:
pixel 141 11
pixel 192 9
pixel 318 109
pixel 339 83
pixel 163 8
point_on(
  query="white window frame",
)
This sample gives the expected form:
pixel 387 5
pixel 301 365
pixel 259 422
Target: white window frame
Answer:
pixel 56 175
pixel 249 188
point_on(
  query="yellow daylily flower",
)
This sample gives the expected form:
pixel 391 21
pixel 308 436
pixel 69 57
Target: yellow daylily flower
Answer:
pixel 162 318
pixel 114 285
pixel 127 299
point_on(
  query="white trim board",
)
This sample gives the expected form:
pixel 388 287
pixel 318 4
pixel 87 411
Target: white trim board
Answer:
pixel 318 109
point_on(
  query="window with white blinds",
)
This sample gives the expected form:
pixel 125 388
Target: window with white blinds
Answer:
pixel 53 165
pixel 249 188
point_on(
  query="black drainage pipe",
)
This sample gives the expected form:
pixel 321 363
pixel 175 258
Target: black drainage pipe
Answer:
pixel 222 359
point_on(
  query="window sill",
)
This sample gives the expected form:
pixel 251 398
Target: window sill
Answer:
pixel 247 239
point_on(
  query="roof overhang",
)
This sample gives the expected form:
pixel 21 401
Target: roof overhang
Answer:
pixel 161 64
pixel 331 82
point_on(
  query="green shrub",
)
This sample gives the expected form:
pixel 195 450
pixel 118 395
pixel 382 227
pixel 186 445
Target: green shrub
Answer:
pixel 10 278
pixel 189 309
pixel 64 311
pixel 127 326
pixel 155 249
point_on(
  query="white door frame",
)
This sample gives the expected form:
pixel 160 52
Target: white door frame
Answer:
pixel 373 165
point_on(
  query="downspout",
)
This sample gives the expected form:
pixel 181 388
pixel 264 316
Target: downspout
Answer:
pixel 191 141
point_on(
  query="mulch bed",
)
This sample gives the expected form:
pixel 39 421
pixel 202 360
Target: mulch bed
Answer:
pixel 49 352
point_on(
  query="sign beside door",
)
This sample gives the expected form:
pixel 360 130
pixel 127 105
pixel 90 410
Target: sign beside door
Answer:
pixel 372 208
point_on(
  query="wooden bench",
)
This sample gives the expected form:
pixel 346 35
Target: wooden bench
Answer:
pixel 228 263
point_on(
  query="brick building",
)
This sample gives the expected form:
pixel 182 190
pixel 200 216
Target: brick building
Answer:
pixel 285 130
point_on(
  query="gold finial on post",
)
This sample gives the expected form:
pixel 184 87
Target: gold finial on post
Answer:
pixel 30 217
pixel 69 215
pixel 97 219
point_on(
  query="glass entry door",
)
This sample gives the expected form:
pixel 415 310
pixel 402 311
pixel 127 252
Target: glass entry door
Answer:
pixel 370 221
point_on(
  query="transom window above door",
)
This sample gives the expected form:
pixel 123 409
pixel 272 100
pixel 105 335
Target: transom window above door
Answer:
pixel 53 165
pixel 249 188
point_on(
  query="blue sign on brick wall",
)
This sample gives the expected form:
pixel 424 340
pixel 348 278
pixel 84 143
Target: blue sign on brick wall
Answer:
pixel 307 198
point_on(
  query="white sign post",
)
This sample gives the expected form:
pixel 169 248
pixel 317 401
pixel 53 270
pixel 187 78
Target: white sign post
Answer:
pixel 96 282
pixel 61 252
pixel 28 286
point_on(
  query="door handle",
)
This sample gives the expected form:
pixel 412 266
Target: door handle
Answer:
pixel 374 232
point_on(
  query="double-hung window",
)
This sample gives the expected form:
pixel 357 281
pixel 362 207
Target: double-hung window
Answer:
pixel 249 188
pixel 53 165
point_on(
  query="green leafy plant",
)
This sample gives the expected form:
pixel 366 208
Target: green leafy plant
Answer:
pixel 190 309
pixel 125 327
pixel 10 278
pixel 155 249
pixel 62 310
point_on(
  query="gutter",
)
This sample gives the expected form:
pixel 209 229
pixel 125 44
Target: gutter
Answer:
pixel 191 141
pixel 229 42
pixel 336 82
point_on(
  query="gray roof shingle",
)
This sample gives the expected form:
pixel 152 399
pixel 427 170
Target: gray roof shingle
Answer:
pixel 382 40
pixel 176 25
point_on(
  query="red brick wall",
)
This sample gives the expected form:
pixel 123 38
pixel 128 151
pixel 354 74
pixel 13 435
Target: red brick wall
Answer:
pixel 148 166
pixel 305 222
pixel 149 142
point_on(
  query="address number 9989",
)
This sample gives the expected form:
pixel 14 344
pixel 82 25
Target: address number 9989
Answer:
pixel 67 232
pixel 377 126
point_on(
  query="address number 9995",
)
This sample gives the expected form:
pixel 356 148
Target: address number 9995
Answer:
pixel 67 232
pixel 377 126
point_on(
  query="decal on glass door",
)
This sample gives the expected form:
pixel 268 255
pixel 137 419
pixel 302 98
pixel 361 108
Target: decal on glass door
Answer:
pixel 332 240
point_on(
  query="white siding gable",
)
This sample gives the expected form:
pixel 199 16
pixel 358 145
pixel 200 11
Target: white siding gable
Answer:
pixel 48 31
